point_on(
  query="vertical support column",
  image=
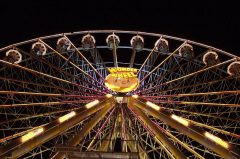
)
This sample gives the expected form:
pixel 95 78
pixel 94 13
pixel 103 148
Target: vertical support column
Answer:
pixel 132 58
pixel 115 57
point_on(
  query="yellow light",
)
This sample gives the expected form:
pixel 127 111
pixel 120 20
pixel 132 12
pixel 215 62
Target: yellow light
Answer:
pixel 135 96
pixel 122 79
pixel 108 95
pixel 121 84
pixel 217 140
pixel 180 120
pixel 66 117
pixel 152 105
pixel 31 134
pixel 91 104
pixel 119 99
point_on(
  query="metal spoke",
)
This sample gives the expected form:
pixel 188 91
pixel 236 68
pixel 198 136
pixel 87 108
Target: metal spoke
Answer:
pixel 174 52
pixel 47 75
pixel 84 57
pixel 188 75
pixel 54 102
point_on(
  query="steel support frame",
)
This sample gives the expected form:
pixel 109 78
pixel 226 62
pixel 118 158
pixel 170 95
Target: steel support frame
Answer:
pixel 16 148
pixel 191 131
pixel 160 137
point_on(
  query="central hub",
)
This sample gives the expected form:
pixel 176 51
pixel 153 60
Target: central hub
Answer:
pixel 122 79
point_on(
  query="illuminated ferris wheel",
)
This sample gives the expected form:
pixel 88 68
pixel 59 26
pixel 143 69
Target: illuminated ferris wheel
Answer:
pixel 118 94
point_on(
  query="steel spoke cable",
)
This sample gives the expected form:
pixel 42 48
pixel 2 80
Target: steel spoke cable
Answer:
pixel 43 103
pixel 18 100
pixel 202 70
pixel 214 128
pixel 195 85
pixel 211 127
pixel 84 58
pixel 192 94
pixel 54 128
pixel 49 94
pixel 149 55
pixel 200 114
pixel 26 131
pixel 19 134
pixel 150 132
pixel 78 68
pixel 195 103
pixel 169 56
pixel 176 67
pixel 131 124
pixel 199 135
pixel 101 128
pixel 85 130
pixel 188 75
pixel 49 76
pixel 38 115
pixel 163 141
pixel 158 78
pixel 44 85
pixel 208 127
pixel 183 144
pixel 56 68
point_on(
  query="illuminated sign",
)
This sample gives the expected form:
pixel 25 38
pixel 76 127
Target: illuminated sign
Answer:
pixel 122 79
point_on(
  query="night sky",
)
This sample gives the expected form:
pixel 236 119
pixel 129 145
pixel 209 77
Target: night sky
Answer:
pixel 214 23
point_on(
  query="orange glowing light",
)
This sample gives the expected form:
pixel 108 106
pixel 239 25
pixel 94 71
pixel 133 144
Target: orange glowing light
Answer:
pixel 135 96
pixel 180 120
pixel 152 105
pixel 217 140
pixel 108 95
pixel 32 134
pixel 66 117
pixel 91 104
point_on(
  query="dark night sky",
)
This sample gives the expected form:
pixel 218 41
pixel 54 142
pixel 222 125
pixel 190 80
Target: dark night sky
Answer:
pixel 214 23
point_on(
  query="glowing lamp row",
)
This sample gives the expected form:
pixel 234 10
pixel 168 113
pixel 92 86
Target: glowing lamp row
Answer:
pixel 186 123
pixel 61 119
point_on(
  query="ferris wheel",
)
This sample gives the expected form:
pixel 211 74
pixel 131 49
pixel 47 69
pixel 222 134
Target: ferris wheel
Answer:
pixel 118 94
